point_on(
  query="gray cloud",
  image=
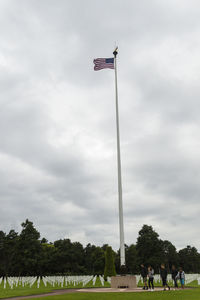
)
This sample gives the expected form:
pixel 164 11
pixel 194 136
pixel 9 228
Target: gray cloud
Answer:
pixel 57 118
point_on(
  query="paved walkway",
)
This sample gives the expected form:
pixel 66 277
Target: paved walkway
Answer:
pixel 112 290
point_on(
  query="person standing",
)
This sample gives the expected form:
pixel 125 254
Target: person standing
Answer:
pixel 181 276
pixel 143 273
pixel 151 277
pixel 174 276
pixel 163 275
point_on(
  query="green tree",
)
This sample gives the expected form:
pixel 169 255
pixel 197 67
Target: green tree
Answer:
pixel 47 265
pixel 89 258
pixel 131 259
pixel 2 254
pixel 62 259
pixel 117 261
pixel 149 247
pixel 11 253
pixel 78 258
pixel 26 254
pixel 189 259
pixel 29 250
pixel 98 261
pixel 109 263
pixel 170 256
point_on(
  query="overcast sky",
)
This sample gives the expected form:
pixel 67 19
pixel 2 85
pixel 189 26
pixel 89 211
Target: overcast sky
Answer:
pixel 58 164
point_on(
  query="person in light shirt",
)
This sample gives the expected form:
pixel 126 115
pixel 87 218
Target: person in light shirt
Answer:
pixel 151 277
pixel 181 277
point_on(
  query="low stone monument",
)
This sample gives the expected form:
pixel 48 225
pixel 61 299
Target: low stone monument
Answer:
pixel 123 282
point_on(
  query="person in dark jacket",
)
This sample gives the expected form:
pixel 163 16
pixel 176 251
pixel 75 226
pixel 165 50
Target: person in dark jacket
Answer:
pixel 144 273
pixel 174 276
pixel 163 275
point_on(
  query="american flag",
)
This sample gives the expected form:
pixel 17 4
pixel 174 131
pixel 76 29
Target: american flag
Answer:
pixel 103 63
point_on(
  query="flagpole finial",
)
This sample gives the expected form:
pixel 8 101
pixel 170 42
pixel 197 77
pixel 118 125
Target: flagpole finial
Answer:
pixel 115 52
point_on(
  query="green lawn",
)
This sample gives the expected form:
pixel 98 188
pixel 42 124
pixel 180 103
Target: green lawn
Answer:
pixel 193 294
pixel 168 295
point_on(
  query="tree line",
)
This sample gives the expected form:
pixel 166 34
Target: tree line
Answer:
pixel 26 254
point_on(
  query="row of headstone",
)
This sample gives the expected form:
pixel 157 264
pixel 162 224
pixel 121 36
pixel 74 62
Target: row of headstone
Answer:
pixel 66 281
pixel 54 281
pixel 51 280
pixel 192 277
pixel 138 278
pixel 17 281
pixel 101 280
pixel 109 280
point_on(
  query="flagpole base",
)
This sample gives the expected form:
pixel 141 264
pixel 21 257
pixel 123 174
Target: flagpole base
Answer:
pixel 123 282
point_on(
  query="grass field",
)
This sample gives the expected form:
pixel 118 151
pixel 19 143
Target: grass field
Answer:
pixel 191 294
pixel 171 295
pixel 26 291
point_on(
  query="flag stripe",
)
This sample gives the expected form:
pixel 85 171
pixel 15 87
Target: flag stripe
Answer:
pixel 103 63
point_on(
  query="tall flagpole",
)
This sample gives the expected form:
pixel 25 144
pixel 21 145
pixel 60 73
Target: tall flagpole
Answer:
pixel 121 222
